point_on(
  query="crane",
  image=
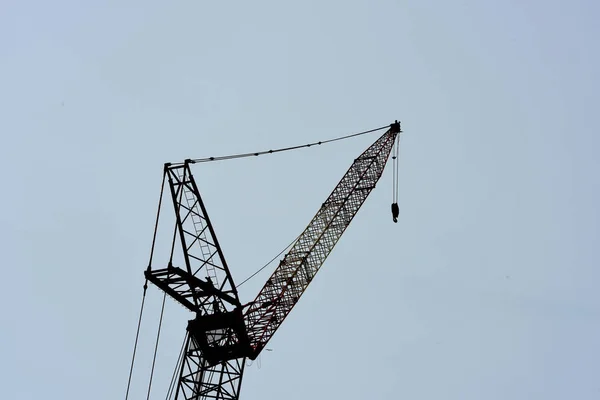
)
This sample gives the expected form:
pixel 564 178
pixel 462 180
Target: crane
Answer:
pixel 224 332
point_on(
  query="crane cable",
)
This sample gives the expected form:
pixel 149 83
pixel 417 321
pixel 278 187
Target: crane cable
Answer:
pixel 137 334
pixel 396 168
pixel 173 384
pixel 269 263
pixel 260 153
pixel 162 309
pixel 395 179
pixel 162 312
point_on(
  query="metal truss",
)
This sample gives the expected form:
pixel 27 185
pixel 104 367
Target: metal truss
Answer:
pixel 291 278
pixel 217 344
pixel 199 380
pixel 205 277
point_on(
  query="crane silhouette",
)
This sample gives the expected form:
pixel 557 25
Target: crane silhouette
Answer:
pixel 224 332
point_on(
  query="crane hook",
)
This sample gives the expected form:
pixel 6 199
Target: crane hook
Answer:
pixel 395 211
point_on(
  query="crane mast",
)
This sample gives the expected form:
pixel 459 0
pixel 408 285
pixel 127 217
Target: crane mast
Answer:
pixel 224 333
pixel 214 348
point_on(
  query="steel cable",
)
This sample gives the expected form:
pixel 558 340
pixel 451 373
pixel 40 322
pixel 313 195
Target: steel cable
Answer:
pixel 260 153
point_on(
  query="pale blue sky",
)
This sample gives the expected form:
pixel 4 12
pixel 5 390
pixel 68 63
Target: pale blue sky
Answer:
pixel 485 289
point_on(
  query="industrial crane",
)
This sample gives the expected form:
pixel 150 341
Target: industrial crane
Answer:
pixel 224 332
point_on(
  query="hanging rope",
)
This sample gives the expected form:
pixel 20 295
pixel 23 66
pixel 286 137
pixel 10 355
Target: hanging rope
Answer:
pixel 395 166
pixel 394 162
pixel 162 189
pixel 137 335
pixel 260 153
pixel 396 173
pixel 173 384
pixel 162 312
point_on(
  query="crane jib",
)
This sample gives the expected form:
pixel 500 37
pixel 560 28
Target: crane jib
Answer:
pixel 297 269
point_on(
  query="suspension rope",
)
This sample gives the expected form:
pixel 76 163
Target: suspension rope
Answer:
pixel 137 335
pixel 395 169
pixel 162 188
pixel 162 311
pixel 396 173
pixel 260 153
pixel 173 384
pixel 397 166
pixel 394 162
pixel 269 263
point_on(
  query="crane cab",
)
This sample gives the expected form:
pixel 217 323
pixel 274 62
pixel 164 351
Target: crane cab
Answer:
pixel 220 336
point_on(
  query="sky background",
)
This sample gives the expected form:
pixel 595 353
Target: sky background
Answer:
pixel 487 288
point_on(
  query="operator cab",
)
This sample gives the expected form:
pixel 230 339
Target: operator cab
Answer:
pixel 221 336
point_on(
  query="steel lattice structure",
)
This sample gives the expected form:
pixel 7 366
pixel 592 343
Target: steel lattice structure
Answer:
pixel 224 333
pixel 301 263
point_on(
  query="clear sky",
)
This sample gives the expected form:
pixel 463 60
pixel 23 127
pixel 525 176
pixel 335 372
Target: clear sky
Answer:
pixel 487 288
